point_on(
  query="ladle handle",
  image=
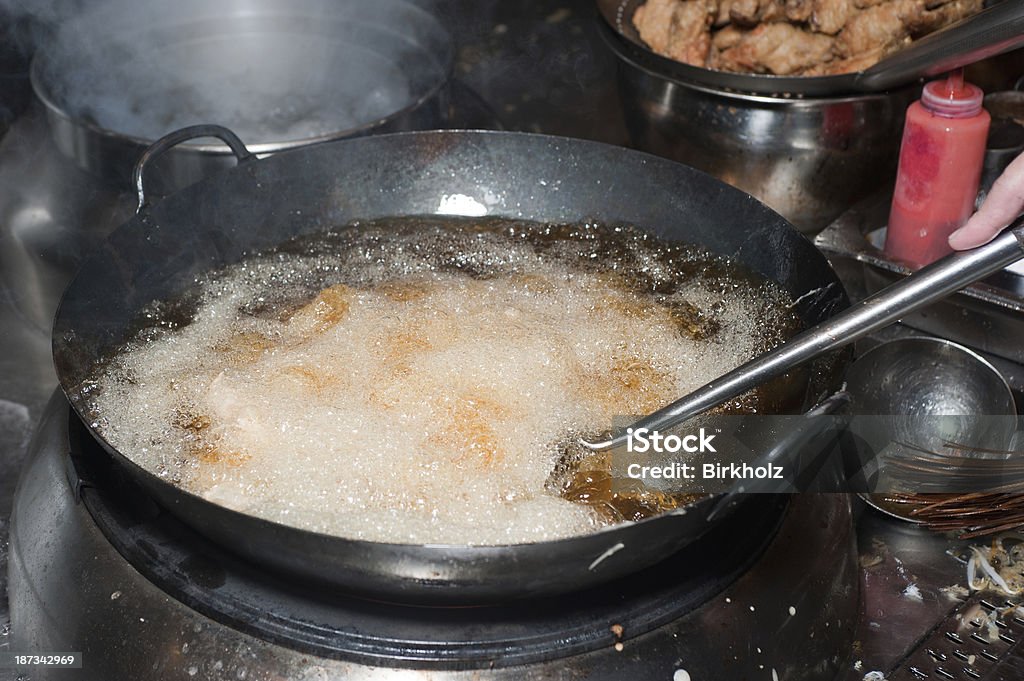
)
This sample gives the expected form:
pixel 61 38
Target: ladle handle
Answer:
pixel 173 139
pixel 992 31
pixel 932 283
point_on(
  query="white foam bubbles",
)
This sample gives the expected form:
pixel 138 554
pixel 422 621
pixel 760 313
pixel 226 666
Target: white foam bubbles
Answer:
pixel 412 385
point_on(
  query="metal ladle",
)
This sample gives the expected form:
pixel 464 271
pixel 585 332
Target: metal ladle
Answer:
pixel 932 283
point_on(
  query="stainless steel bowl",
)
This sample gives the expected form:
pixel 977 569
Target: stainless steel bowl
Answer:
pixel 809 158
pixel 928 392
pixel 915 395
pixel 284 73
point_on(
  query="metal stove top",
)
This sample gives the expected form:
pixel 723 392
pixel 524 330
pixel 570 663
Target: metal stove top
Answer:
pixel 310 618
pixel 772 591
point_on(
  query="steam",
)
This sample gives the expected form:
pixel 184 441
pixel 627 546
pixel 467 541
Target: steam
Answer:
pixel 273 72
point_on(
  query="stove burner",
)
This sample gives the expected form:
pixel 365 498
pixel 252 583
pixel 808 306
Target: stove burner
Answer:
pixel 769 594
pixel 305 618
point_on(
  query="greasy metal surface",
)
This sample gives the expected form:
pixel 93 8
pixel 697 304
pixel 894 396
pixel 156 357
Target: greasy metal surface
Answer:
pixel 809 159
pixel 912 590
pixel 792 613
pixel 987 316
pixel 263 203
pixel 969 644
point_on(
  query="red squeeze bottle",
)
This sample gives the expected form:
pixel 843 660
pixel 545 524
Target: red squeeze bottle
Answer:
pixel 940 167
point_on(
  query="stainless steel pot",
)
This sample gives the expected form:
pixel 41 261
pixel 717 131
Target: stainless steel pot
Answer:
pixel 285 73
pixel 809 158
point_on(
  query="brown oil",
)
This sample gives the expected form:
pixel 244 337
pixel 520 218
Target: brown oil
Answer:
pixel 625 259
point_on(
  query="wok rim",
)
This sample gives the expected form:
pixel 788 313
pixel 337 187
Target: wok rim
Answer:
pixel 153 483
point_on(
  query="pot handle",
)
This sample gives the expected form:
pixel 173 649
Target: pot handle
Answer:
pixel 175 138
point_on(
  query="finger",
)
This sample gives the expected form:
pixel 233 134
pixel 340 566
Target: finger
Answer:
pixel 1004 203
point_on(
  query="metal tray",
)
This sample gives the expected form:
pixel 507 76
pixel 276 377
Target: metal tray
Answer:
pixel 987 316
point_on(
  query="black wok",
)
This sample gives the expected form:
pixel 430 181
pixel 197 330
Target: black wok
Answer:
pixel 261 203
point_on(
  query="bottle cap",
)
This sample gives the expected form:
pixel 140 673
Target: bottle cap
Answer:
pixel 952 97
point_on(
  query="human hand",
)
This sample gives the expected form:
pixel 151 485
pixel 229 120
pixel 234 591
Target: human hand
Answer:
pixel 1001 207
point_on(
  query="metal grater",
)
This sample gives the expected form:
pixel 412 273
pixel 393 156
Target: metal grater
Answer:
pixel 962 645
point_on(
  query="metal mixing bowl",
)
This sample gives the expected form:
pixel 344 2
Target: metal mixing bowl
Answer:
pixel 911 398
pixel 927 392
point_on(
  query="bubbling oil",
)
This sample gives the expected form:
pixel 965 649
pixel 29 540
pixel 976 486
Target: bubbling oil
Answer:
pixel 414 380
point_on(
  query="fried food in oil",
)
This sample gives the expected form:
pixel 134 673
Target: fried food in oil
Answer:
pixel 592 483
pixel 209 457
pixel 244 347
pixel 791 37
pixel 468 429
pixel 326 310
pixel 317 381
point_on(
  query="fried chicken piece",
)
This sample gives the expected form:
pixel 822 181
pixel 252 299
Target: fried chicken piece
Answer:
pixel 829 16
pixel 774 10
pixel 325 311
pixel 799 10
pixel 655 22
pixel 677 29
pixel 244 347
pixel 834 36
pixel 749 13
pixel 723 39
pixel 469 429
pixel 878 27
pixel 935 17
pixel 745 12
pixel 780 49
pixel 727 37
pixel 722 17
pixel 883 28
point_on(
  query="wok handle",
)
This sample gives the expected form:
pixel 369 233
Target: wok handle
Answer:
pixel 172 139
